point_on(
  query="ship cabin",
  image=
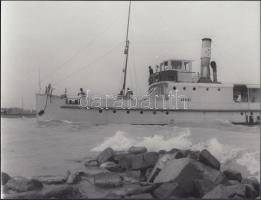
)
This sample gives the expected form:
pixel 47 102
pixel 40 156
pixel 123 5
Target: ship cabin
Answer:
pixel 174 70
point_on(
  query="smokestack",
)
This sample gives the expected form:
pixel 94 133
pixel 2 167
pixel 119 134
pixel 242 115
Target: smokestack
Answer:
pixel 214 69
pixel 205 60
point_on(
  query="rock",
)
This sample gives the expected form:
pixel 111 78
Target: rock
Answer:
pixel 111 166
pixel 25 195
pixel 253 181
pixel 251 192
pixel 202 187
pixel 21 184
pixel 162 161
pixel 113 196
pixel 148 173
pixel 129 179
pixel 162 152
pixel 137 150
pixel 61 191
pixel 106 155
pixel 108 180
pixel 206 158
pixel 231 182
pixel 75 177
pixel 144 160
pixel 91 163
pixel 93 171
pixel 232 175
pixel 138 189
pixel 137 161
pixel 140 196
pixel 5 178
pixel 226 192
pixel 183 171
pixel 167 190
pixel 49 179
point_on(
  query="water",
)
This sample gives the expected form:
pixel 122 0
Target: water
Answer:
pixel 30 149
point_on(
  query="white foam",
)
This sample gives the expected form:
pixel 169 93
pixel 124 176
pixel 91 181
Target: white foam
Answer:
pixel 121 141
pixel 249 160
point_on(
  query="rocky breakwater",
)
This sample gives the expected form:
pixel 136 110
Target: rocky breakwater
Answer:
pixel 139 174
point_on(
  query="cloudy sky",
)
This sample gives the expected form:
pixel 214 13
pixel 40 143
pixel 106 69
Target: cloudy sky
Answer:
pixel 80 44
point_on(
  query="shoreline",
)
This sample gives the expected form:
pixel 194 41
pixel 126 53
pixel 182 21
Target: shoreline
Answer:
pixel 138 174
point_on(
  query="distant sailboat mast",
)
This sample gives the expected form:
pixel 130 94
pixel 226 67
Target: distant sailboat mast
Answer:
pixel 126 52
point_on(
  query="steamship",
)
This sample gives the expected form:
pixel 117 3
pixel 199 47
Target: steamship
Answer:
pixel 176 94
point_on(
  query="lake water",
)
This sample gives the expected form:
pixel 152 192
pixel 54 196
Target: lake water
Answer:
pixel 30 149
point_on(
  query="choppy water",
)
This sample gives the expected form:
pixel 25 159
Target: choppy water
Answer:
pixel 29 148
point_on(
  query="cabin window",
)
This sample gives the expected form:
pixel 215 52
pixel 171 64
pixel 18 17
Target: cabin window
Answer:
pixel 184 88
pixel 254 94
pixel 128 112
pixel 258 117
pixel 241 113
pixel 154 112
pixel 194 88
pixel 100 111
pixel 167 113
pixel 218 89
pixel 114 111
pixel 141 112
pixel 175 64
pixel 174 88
pixel 207 88
pixel 240 93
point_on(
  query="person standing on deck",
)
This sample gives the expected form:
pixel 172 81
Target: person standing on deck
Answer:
pixel 150 70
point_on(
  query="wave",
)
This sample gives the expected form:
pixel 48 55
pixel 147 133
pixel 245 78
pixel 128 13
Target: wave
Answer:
pixel 226 154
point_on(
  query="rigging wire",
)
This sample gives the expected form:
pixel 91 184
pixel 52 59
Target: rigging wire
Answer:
pixel 135 74
pixel 49 75
pixel 89 65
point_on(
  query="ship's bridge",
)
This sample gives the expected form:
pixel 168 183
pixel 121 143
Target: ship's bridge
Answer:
pixel 174 70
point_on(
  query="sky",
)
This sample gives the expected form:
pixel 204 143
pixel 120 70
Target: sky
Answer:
pixel 74 44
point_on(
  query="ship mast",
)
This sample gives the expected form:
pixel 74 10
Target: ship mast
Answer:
pixel 126 52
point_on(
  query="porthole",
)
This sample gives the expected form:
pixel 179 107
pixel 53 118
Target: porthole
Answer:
pixel 114 111
pixel 174 88
pixel 218 89
pixel 154 112
pixel 251 113
pixel 207 88
pixel 167 113
pixel 141 112
pixel 241 113
pixel 128 112
pixel 184 88
pixel 194 88
pixel 100 111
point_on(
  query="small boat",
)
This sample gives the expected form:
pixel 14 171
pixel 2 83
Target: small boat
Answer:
pixel 176 94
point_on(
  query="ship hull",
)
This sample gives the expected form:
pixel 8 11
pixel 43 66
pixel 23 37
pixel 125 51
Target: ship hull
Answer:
pixel 55 109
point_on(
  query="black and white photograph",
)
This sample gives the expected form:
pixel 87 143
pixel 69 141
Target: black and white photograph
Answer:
pixel 130 100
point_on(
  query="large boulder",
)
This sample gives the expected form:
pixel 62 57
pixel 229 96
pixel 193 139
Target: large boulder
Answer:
pixel 252 181
pixel 232 175
pixel 137 150
pixel 21 184
pixel 201 187
pixel 167 190
pixel 5 178
pixel 183 171
pixel 61 192
pixel 111 166
pixel 108 180
pixel 137 161
pixel 178 153
pixel 105 155
pixel 51 179
pixel 227 192
pixel 91 163
pixel 25 195
pixel 207 158
pixel 251 192
pixel 140 196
